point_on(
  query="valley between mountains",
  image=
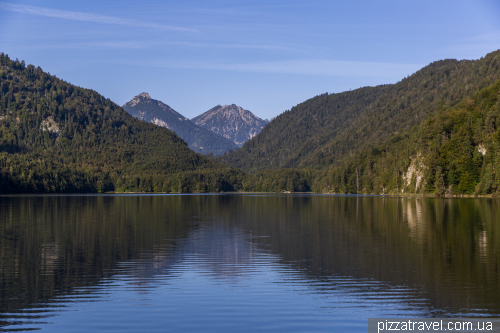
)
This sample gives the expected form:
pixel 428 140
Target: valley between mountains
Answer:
pixel 435 132
pixel 145 108
pixel 216 131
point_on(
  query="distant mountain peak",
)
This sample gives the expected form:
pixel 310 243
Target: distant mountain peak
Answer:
pixel 137 99
pixel 232 122
pixel 144 94
pixel 199 139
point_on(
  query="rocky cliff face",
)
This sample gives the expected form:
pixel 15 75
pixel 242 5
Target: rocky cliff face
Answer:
pixel 198 138
pixel 232 122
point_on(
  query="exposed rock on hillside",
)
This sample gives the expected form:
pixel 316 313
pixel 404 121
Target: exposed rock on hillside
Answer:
pixel 199 139
pixel 50 125
pixel 232 122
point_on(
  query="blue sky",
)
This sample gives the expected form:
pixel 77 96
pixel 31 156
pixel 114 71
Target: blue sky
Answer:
pixel 265 56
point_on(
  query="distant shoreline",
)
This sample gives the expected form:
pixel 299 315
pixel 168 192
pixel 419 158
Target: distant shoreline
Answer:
pixel 454 196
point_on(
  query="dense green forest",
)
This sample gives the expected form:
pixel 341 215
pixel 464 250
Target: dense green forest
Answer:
pixel 454 151
pixel 56 137
pixel 434 132
pixel 325 129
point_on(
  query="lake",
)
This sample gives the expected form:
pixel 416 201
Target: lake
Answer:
pixel 243 262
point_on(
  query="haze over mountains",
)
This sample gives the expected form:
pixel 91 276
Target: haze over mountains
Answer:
pixel 215 131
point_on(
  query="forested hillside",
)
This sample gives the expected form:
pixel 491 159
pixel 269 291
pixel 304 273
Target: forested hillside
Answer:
pixel 56 137
pixel 456 150
pixel 328 129
pixel 435 132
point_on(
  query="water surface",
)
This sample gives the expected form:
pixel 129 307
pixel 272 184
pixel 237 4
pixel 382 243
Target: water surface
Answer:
pixel 295 263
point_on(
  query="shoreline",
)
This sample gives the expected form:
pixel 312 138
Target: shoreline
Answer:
pixel 421 195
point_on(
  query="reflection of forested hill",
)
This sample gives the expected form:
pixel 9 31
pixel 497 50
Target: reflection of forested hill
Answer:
pixel 447 251
pixel 52 245
pixel 444 253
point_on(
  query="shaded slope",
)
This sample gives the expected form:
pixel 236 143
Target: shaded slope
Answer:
pixel 199 139
pixel 329 128
pixel 454 151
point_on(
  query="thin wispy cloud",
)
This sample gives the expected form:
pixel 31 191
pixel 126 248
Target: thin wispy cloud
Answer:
pixel 234 46
pixel 307 67
pixel 112 45
pixel 493 36
pixel 131 44
pixel 146 44
pixel 86 17
pixel 476 46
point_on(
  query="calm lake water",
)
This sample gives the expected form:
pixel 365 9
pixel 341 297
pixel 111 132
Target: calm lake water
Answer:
pixel 216 263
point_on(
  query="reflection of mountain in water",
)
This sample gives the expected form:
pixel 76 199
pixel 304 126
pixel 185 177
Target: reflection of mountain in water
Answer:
pixel 223 252
pixel 50 257
pixel 444 251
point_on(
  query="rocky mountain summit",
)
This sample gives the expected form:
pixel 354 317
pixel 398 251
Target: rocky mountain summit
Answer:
pixel 232 122
pixel 143 107
pixel 198 138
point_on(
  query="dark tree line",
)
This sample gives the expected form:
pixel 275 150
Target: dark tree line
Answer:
pixel 433 132
pixel 56 137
